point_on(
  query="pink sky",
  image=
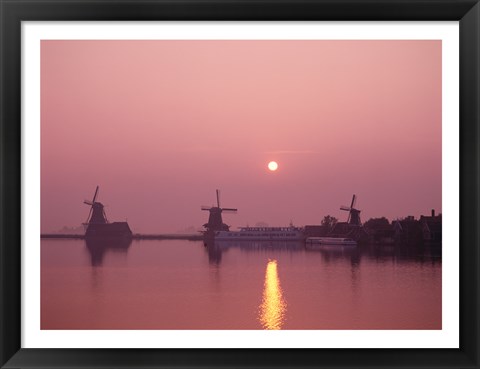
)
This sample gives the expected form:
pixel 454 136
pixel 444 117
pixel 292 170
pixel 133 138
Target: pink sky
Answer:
pixel 159 125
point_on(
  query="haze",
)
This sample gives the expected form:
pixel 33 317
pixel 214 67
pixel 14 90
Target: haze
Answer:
pixel 159 125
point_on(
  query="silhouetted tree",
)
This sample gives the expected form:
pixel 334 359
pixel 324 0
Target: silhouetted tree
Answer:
pixel 375 223
pixel 328 221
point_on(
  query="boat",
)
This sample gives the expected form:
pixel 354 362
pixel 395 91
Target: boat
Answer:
pixel 97 225
pixel 330 241
pixel 289 233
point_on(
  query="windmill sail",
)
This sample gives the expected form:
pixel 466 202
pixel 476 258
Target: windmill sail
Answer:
pixel 353 214
pixel 215 221
pixel 97 224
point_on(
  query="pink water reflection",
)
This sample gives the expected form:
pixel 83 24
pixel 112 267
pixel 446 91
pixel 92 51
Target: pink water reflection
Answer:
pixel 180 285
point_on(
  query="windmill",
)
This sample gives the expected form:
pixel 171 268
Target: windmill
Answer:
pixel 215 221
pixel 354 214
pixel 97 213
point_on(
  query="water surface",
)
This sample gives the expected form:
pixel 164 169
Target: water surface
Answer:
pixel 175 284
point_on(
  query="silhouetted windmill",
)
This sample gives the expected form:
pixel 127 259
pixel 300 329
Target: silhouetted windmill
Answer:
pixel 354 214
pixel 98 226
pixel 97 213
pixel 215 221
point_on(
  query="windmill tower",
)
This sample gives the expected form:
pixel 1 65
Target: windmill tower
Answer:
pixel 97 213
pixel 215 221
pixel 353 214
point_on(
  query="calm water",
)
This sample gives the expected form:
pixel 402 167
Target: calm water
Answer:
pixel 184 285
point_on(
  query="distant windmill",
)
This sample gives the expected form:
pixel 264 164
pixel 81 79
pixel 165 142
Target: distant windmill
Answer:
pixel 97 213
pixel 97 227
pixel 354 214
pixel 215 221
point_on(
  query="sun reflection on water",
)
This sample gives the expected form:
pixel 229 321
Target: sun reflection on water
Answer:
pixel 273 307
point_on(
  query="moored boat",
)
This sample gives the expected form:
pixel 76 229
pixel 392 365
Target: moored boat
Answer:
pixel 262 234
pixel 330 241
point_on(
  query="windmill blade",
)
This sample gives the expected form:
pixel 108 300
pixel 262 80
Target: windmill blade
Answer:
pixel 353 201
pixel 203 207
pixel 345 208
pixel 218 198
pixel 95 196
pixel 229 210
pixel 88 202
pixel 89 214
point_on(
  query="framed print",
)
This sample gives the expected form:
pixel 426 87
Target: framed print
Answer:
pixel 239 184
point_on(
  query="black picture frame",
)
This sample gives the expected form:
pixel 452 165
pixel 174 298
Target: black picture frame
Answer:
pixel 13 12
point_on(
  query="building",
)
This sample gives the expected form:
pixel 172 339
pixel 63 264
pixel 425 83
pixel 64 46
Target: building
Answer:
pixel 432 227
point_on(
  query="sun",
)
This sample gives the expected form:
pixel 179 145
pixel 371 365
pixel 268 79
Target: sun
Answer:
pixel 273 166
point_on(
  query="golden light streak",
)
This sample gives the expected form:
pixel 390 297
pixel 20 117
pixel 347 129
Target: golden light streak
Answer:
pixel 273 307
